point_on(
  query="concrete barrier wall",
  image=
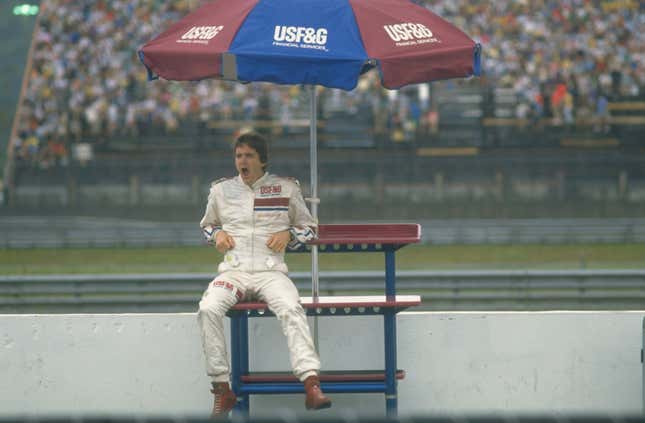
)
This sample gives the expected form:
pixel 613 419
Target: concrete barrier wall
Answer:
pixel 457 363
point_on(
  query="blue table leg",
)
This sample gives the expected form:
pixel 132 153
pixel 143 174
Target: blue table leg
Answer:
pixel 390 274
pixel 235 359
pixel 239 361
pixel 389 338
pixel 391 398
pixel 244 360
pixel 235 356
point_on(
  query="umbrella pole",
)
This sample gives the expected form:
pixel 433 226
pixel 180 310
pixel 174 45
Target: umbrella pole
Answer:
pixel 313 159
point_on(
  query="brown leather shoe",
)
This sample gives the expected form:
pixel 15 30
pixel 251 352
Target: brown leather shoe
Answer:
pixel 225 399
pixel 315 400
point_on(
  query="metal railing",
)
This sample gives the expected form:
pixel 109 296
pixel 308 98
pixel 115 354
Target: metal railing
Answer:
pixel 440 290
pixel 63 232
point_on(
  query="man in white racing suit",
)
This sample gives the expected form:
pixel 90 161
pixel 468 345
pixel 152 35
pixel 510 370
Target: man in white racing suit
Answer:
pixel 252 218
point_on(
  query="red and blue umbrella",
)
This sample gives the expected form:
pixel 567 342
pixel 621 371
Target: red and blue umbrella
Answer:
pixel 312 42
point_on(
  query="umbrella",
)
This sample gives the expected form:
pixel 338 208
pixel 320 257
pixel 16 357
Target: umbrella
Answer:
pixel 312 42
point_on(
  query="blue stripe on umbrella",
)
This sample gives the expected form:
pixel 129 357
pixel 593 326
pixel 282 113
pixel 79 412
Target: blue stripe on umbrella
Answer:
pixel 300 40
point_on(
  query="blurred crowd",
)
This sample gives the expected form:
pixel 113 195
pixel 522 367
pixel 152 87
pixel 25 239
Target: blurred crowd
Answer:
pixel 563 59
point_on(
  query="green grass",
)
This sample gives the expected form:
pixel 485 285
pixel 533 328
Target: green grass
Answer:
pixel 415 257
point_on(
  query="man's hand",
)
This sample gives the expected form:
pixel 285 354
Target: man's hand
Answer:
pixel 224 242
pixel 278 241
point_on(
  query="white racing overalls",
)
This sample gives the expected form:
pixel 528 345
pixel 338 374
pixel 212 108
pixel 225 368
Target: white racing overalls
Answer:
pixel 251 270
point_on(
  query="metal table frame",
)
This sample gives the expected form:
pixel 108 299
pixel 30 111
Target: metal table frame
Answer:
pixel 335 238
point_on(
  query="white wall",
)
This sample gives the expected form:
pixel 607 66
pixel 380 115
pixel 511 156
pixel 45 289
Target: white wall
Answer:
pixel 456 363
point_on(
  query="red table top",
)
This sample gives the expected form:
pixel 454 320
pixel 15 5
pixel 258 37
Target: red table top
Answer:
pixel 376 233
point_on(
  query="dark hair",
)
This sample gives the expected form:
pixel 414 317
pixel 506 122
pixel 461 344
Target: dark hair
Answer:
pixel 256 142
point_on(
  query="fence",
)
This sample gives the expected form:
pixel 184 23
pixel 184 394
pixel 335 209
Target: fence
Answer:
pixel 63 232
pixel 356 185
pixel 447 290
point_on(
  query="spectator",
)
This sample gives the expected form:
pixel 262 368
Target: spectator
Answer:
pixel 562 58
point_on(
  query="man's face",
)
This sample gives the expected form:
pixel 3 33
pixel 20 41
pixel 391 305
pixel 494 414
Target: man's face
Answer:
pixel 247 162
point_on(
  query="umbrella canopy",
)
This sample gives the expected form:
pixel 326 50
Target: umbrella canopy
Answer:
pixel 314 42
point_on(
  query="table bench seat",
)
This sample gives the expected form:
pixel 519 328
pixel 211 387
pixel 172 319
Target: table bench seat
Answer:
pixel 337 305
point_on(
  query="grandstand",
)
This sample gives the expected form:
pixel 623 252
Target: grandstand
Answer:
pixel 557 117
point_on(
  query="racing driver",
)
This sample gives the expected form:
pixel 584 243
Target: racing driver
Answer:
pixel 251 218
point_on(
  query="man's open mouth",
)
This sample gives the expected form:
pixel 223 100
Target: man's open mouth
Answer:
pixel 244 171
